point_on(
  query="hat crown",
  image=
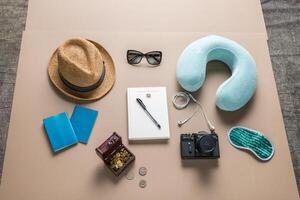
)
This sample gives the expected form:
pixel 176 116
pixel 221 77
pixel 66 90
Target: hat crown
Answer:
pixel 80 62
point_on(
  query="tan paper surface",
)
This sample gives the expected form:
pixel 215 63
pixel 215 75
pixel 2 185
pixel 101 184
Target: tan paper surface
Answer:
pixel 155 15
pixel 33 172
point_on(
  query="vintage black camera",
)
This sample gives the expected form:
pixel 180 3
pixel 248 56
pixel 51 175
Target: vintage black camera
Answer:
pixel 201 145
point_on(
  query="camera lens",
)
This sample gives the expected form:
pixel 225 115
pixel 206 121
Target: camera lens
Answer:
pixel 206 143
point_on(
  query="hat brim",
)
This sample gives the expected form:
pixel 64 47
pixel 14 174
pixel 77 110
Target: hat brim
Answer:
pixel 96 94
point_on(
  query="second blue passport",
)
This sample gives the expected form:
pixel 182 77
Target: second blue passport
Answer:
pixel 83 120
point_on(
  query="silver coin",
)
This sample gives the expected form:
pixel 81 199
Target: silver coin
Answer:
pixel 130 175
pixel 142 184
pixel 143 171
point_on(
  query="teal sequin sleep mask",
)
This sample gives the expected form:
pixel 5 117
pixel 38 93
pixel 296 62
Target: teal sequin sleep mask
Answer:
pixel 252 140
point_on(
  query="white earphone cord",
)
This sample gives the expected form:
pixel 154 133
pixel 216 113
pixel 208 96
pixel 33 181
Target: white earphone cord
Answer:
pixel 187 97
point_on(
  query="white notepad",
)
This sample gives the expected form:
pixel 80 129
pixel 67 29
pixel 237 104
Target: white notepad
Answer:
pixel 140 126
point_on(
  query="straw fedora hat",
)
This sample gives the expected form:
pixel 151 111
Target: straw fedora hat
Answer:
pixel 82 70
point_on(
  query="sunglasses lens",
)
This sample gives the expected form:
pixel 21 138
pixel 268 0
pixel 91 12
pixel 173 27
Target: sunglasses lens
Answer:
pixel 154 57
pixel 134 57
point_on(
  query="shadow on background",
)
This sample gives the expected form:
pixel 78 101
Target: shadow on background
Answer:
pixel 204 167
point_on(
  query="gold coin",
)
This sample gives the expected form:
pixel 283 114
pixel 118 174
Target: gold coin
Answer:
pixel 120 163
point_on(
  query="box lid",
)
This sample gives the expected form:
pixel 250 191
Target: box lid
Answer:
pixel 109 146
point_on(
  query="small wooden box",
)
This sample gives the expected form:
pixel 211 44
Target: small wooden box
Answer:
pixel 115 155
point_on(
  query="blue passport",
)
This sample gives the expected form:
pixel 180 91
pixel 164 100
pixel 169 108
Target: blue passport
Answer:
pixel 83 120
pixel 60 131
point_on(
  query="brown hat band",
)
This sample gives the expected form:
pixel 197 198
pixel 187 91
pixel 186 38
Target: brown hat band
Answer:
pixel 83 89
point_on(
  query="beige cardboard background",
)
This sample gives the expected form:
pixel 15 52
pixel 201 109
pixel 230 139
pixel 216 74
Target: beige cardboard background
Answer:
pixel 32 172
pixel 155 15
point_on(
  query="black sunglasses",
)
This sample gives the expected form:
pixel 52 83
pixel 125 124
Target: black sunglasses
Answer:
pixel 153 57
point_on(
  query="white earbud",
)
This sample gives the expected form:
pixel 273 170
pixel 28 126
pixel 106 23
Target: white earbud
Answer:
pixel 187 97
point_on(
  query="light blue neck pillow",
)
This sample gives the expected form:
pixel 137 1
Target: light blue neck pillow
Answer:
pixel 237 90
